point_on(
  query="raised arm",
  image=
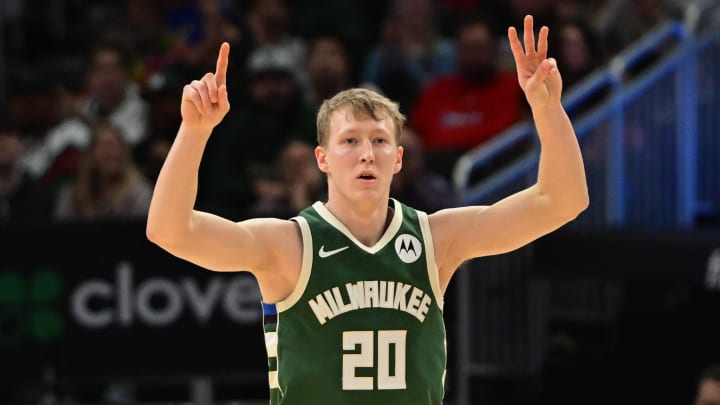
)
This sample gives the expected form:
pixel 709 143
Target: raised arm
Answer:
pixel 559 194
pixel 205 239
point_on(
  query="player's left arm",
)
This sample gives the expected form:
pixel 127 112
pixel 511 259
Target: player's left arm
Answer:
pixel 560 193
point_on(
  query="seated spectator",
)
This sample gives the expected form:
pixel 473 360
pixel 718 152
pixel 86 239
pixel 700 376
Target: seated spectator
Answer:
pixel 620 22
pixel 163 92
pixel 22 199
pixel 43 102
pixel 109 186
pixel 460 111
pixel 708 388
pixel 577 50
pixel 246 141
pixel 298 184
pixel 341 18
pixel 328 69
pixel 112 95
pixel 268 22
pixel 415 183
pixel 411 52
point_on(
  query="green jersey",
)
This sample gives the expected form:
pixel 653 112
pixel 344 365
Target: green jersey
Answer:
pixel 364 324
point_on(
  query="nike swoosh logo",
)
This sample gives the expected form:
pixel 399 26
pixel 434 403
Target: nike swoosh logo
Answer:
pixel 327 253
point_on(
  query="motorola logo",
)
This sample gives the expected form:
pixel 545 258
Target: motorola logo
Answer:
pixel 408 248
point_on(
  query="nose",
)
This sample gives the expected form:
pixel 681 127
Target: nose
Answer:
pixel 367 155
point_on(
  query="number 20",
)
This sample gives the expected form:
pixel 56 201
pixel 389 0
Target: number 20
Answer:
pixel 365 358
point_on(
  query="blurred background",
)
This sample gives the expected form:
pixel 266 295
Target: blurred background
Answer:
pixel 619 307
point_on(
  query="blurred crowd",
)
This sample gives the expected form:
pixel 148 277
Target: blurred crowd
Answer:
pixel 90 91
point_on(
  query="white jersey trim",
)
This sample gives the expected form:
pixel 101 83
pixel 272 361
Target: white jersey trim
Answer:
pixel 305 269
pixel 433 272
pixel 384 240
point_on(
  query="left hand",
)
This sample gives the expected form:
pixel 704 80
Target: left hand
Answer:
pixel 538 75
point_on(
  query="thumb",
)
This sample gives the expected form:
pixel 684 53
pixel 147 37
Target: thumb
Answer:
pixel 554 80
pixel 542 72
pixel 223 101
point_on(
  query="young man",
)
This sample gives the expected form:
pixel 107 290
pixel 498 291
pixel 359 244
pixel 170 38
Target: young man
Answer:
pixel 353 288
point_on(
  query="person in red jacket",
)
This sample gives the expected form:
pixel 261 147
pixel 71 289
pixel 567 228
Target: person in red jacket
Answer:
pixel 459 111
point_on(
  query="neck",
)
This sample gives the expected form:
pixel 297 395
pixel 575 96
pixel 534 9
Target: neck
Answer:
pixel 367 221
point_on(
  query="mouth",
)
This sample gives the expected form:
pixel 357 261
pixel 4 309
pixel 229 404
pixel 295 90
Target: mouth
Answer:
pixel 366 176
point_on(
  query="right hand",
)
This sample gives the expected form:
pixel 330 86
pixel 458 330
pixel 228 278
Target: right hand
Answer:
pixel 205 101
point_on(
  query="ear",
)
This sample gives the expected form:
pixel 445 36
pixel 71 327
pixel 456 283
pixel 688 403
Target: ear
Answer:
pixel 321 158
pixel 398 159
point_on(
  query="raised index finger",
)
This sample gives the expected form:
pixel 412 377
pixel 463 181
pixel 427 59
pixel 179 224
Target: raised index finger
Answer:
pixel 222 64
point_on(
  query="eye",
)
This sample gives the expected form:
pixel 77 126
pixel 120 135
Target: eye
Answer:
pixel 350 141
pixel 380 140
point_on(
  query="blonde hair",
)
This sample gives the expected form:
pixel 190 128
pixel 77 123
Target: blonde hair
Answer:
pixel 363 104
pixel 86 193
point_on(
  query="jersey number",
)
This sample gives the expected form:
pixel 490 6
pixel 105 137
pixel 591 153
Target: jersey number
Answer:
pixel 389 342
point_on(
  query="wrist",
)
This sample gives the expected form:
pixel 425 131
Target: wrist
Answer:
pixel 195 131
pixel 551 107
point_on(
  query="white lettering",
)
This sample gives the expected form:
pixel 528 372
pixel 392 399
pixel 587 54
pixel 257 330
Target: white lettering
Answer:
pixel 157 315
pixel 92 318
pixel 401 291
pixel 424 308
pixel 712 277
pixel 241 300
pixel 320 308
pixel 123 278
pixel 201 303
pixel 161 301
pixel 356 292
pixel 339 300
pixel 371 294
pixel 387 294
pixel 414 302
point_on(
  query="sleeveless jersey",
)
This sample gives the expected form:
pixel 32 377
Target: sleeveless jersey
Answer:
pixel 364 324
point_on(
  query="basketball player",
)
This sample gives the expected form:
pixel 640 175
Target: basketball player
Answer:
pixel 353 287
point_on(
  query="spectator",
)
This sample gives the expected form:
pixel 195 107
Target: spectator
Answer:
pixel 273 114
pixel 268 22
pixel 109 186
pixel 162 92
pixel 22 199
pixel 112 95
pixel 45 112
pixel 577 49
pixel 708 389
pixel 620 22
pixel 328 68
pixel 298 184
pixel 339 18
pixel 411 52
pixel 415 183
pixel 463 110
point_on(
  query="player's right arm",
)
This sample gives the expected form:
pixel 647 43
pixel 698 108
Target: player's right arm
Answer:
pixel 205 239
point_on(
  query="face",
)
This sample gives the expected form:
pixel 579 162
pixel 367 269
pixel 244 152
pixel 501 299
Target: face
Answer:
pixel 109 153
pixel 107 78
pixel 574 48
pixel 327 64
pixel 360 157
pixel 708 393
pixel 477 51
pixel 273 92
